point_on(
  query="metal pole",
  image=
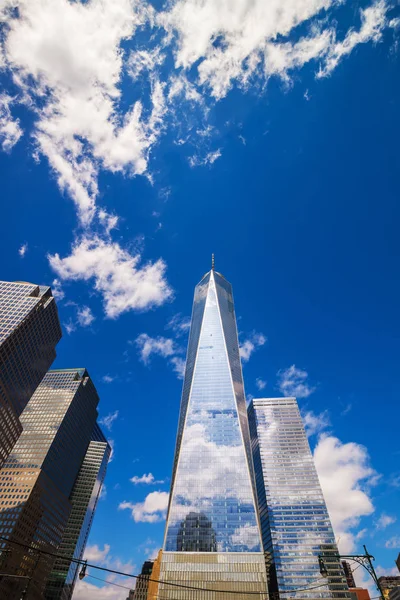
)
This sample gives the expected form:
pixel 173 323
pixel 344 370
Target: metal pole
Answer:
pixel 372 571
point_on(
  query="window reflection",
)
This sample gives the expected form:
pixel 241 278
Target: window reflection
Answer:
pixel 212 504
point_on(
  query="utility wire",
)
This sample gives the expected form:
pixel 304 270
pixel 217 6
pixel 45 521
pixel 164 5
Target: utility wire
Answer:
pixel 201 589
pixel 177 585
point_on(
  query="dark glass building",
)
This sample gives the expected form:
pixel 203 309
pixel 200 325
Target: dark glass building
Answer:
pixel 29 332
pixel 295 523
pixel 212 537
pixel 142 582
pixel 38 477
pixel 84 497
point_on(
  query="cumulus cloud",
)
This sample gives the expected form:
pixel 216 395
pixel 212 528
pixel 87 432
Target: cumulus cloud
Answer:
pixel 294 382
pixel 393 543
pixel 260 383
pixel 108 420
pixel 57 289
pixel 68 59
pixel 234 42
pixel 67 56
pixel 373 21
pixel 179 324
pixel 315 424
pixel 207 160
pixel 161 346
pixel 84 316
pixel 95 554
pixel 384 521
pixel 147 346
pixel 252 343
pixel 346 477
pixel 147 479
pixel 87 591
pixel 152 510
pixel 23 250
pixel 118 276
pixel 10 130
pixel 108 378
pixel 84 590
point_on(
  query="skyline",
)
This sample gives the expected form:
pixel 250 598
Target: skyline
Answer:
pixel 290 178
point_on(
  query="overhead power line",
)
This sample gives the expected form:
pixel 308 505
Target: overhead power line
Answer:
pixel 159 581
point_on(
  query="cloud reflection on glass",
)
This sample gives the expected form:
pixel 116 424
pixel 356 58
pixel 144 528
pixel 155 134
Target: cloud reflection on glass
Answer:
pixel 212 502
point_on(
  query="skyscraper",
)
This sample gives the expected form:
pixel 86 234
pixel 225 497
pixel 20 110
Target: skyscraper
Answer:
pixel 38 477
pixel 29 332
pixel 295 524
pixel 212 487
pixel 83 498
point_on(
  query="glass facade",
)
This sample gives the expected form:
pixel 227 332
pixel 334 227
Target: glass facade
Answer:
pixel 29 332
pixel 212 518
pixel 38 476
pixel 295 523
pixel 83 498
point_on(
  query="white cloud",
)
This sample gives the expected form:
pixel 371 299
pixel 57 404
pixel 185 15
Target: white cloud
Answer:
pixel 147 479
pixel 384 521
pixel 117 275
pixel 260 383
pixel 346 476
pixel 207 160
pixel 315 423
pixel 84 316
pixel 87 591
pixel 108 221
pixel 178 365
pixel 179 324
pixel 144 60
pixel 152 510
pixel 393 543
pixel 94 554
pixel 108 420
pixel 23 250
pixel 373 21
pixel 68 59
pixel 235 42
pixel 68 56
pixel 108 378
pixel 161 346
pixel 70 326
pixel 346 409
pixel 10 130
pixel 294 382
pixel 57 290
pixel 147 346
pixel 255 341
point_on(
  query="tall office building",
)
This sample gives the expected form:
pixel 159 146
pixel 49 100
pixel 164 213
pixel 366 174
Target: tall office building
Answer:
pixel 37 479
pixel 83 498
pixel 295 524
pixel 142 582
pixel 29 332
pixel 212 537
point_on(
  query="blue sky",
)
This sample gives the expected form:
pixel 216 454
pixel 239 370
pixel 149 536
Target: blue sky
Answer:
pixel 140 138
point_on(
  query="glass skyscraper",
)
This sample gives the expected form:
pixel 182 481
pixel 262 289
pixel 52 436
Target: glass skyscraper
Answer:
pixel 29 332
pixel 84 497
pixel 295 523
pixel 37 479
pixel 212 537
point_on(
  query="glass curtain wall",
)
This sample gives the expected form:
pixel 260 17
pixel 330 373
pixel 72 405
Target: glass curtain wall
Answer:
pixel 295 524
